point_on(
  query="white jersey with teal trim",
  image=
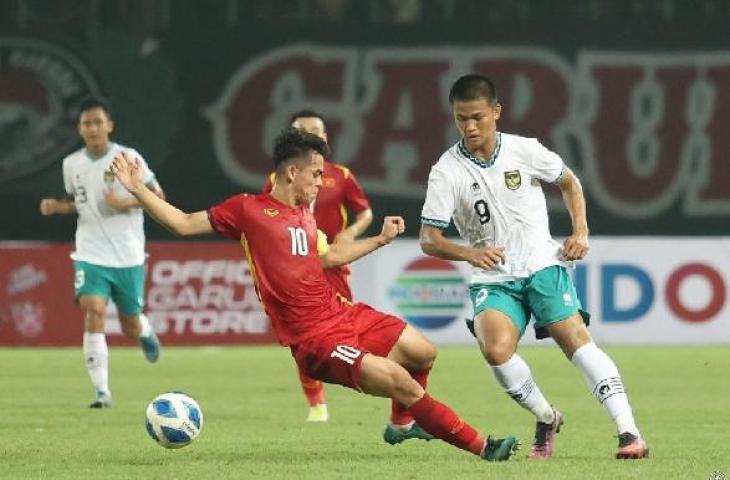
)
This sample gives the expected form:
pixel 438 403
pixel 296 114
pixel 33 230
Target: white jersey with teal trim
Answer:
pixel 104 236
pixel 498 203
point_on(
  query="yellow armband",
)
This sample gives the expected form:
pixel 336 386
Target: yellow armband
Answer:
pixel 322 246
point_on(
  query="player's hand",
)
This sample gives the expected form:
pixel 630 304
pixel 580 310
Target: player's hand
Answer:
pixel 575 247
pixel 392 227
pixel 128 170
pixel 487 258
pixel 49 206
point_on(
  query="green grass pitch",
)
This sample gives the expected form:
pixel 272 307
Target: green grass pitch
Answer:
pixel 254 414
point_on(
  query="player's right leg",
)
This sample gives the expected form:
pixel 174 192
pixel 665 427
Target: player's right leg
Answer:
pixel 92 290
pixel 128 296
pixel 385 378
pixel 96 352
pixel 604 380
pixel 499 323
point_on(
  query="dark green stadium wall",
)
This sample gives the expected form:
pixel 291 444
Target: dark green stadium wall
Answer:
pixel 637 104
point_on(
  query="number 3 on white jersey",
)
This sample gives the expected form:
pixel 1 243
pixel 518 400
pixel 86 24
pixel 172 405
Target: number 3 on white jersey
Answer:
pixel 298 241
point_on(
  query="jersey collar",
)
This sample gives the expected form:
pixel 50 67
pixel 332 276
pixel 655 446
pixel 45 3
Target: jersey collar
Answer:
pixel 461 146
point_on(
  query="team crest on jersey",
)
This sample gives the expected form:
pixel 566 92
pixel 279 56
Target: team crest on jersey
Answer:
pixel 328 182
pixel 272 212
pixel 475 188
pixel 513 179
pixel 42 86
pixel 108 177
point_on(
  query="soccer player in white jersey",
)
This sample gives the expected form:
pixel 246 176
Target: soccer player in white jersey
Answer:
pixel 489 184
pixel 109 256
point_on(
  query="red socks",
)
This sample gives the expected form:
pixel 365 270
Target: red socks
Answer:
pixel 313 389
pixel 399 414
pixel 443 423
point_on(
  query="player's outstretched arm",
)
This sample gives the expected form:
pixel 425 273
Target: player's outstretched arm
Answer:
pixel 362 221
pixel 129 173
pixel 575 246
pixel 54 206
pixel 122 204
pixel 344 253
pixel 434 243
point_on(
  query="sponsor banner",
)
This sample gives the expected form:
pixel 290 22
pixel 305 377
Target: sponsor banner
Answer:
pixel 197 293
pixel 638 290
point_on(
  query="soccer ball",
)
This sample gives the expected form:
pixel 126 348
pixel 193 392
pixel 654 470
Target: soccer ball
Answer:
pixel 173 419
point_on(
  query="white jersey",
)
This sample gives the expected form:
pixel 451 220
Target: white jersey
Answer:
pixel 498 203
pixel 104 236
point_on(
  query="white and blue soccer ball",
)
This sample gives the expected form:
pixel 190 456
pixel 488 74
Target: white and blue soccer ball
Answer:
pixel 173 419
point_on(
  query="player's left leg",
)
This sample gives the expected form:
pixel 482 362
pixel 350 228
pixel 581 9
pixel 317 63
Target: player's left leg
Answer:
pixel 604 381
pixel 128 295
pixel 314 392
pixel 416 354
pixel 555 304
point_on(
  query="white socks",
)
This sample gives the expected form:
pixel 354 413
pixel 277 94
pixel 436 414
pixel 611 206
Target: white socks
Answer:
pixel 145 329
pixel 96 355
pixel 606 385
pixel 515 377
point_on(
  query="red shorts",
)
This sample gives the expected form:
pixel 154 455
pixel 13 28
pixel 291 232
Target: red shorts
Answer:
pixel 335 355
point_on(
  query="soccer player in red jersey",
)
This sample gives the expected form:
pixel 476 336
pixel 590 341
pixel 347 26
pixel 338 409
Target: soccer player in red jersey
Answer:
pixel 330 338
pixel 339 194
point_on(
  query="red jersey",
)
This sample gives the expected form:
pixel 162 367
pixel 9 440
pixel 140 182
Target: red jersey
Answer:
pixel 280 243
pixel 340 193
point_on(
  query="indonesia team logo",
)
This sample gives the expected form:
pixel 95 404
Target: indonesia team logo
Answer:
pixel 513 179
pixel 430 293
pixel 41 86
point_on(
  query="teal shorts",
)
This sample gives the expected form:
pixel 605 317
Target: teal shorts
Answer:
pixel 125 286
pixel 549 295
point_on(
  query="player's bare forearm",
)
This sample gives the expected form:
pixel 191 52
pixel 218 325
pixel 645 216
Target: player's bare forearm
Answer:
pixel 169 216
pixel 575 202
pixel 128 172
pixel 344 253
pixel 434 243
pixel 575 247
pixel 347 252
pixel 57 206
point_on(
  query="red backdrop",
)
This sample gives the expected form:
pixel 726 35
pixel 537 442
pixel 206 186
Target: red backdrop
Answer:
pixel 196 294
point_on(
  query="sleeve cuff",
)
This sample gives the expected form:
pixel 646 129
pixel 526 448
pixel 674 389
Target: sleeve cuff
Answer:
pixel 560 176
pixel 434 223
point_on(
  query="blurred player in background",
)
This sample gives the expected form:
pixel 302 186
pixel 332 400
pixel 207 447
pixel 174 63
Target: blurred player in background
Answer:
pixel 331 339
pixel 489 184
pixel 340 193
pixel 109 256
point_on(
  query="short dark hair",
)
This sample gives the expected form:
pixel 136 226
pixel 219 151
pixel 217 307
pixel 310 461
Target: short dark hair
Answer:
pixel 473 87
pixel 95 102
pixel 306 113
pixel 294 143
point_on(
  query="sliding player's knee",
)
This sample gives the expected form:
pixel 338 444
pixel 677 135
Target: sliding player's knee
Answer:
pixel 426 356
